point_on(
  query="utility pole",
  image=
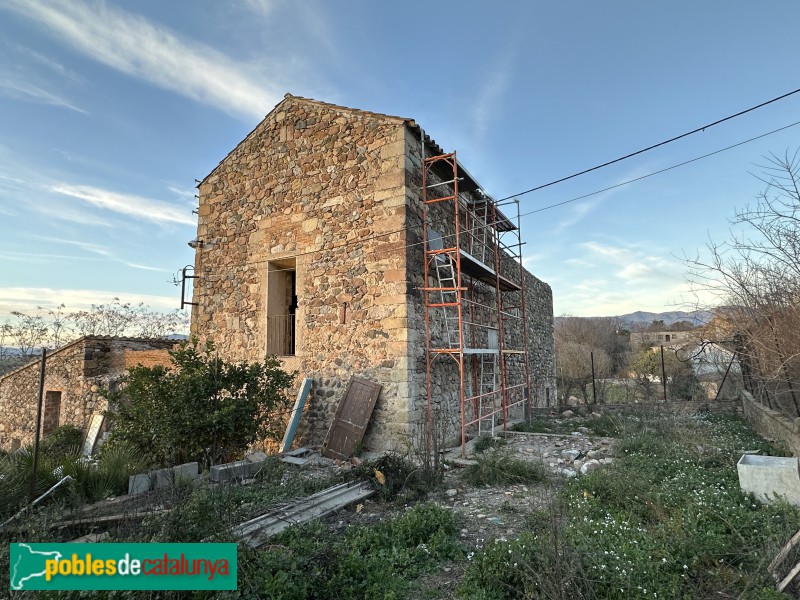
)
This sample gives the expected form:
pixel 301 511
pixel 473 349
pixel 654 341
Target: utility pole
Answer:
pixel 38 426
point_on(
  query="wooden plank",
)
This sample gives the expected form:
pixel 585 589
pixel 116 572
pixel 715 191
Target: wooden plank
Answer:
pixel 95 423
pixel 352 418
pixel 781 556
pixel 789 578
pixel 297 413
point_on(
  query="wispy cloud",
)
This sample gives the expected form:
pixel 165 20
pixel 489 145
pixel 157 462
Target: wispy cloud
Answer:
pixel 88 246
pixel 18 89
pixel 576 213
pixel 101 251
pixel 28 298
pixel 34 257
pixel 632 263
pixel 145 267
pixel 128 204
pixel 50 63
pixel 492 91
pixel 151 52
pixel 262 8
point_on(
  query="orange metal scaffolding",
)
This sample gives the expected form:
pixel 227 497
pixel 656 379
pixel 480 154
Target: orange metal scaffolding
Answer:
pixel 474 298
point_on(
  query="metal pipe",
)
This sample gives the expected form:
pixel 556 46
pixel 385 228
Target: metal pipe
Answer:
pixel 35 502
pixel 594 388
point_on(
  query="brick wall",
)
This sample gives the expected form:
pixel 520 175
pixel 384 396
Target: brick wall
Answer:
pixel 146 358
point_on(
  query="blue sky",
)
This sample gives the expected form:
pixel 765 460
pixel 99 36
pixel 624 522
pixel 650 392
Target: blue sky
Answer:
pixel 110 110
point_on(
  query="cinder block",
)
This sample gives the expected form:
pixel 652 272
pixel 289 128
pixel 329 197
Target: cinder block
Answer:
pixel 162 478
pixel 240 469
pixel 186 471
pixel 138 484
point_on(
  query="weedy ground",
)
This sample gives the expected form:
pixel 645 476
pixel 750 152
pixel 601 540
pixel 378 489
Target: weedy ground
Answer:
pixel 665 520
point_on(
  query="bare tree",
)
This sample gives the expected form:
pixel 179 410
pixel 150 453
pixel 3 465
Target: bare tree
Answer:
pixel 756 275
pixel 24 334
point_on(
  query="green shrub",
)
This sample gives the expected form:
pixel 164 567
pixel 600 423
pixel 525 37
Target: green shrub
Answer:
pixel 201 409
pixel 402 479
pixel 487 442
pixel 375 561
pixel 63 440
pixel 500 467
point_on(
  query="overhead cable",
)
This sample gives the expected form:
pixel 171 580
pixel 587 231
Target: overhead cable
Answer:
pixel 659 144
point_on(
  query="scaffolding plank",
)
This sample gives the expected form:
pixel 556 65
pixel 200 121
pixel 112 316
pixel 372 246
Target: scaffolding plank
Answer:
pixel 478 270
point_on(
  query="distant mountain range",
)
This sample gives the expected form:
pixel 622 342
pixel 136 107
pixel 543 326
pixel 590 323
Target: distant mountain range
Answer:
pixel 695 317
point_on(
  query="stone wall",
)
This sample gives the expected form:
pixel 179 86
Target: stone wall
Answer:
pixel 538 307
pixel 74 376
pixel 771 424
pixel 320 190
pixel 330 195
pixel 672 407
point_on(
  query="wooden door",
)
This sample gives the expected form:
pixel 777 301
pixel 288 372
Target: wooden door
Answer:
pixel 352 418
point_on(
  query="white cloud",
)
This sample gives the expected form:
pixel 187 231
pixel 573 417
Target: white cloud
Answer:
pixel 262 8
pixel 635 270
pixel 88 246
pixel 577 213
pixel 128 204
pixel 491 93
pixel 151 52
pixel 145 267
pixel 48 62
pixel 23 90
pixel 26 299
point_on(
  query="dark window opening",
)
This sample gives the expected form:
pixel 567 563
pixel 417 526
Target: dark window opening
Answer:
pixel 52 412
pixel 282 304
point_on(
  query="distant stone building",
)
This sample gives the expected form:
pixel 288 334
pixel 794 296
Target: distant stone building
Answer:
pixel 310 247
pixel 74 376
pixel 670 339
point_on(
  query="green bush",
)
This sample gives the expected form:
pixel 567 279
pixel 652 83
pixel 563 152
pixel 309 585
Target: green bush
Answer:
pixel 499 467
pixel 487 442
pixel 402 480
pixel 375 561
pixel 62 441
pixel 202 409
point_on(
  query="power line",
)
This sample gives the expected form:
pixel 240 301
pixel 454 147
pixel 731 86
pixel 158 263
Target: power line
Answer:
pixel 643 150
pixel 664 170
pixel 538 210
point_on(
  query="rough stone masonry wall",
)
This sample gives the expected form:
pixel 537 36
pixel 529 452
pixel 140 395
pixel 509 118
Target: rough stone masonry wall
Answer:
pixel 322 188
pixel 771 424
pixel 79 371
pixel 538 299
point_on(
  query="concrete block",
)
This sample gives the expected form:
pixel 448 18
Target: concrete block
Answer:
pixel 240 469
pixel 186 471
pixel 769 476
pixel 256 457
pixel 138 484
pixel 162 478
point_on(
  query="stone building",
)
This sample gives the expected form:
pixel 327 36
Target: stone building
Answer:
pixel 75 374
pixel 310 246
